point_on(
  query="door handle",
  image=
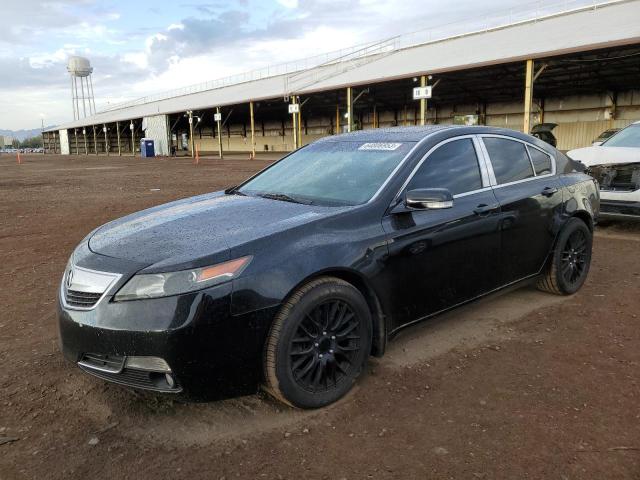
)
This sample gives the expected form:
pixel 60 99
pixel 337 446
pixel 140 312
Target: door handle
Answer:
pixel 484 209
pixel 549 191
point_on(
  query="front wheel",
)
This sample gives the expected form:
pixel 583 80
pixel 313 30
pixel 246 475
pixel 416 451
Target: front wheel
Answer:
pixel 571 259
pixel 318 344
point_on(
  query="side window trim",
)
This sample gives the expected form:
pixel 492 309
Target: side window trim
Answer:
pixel 484 171
pixel 551 160
pixel 533 167
pixel 487 158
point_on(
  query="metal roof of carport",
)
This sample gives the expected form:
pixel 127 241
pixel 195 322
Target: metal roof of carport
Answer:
pixel 602 25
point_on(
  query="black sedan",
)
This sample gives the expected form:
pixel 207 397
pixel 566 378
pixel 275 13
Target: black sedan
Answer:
pixel 292 279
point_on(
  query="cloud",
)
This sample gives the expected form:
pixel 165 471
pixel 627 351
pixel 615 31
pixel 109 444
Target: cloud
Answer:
pixel 138 49
pixel 28 22
pixel 288 3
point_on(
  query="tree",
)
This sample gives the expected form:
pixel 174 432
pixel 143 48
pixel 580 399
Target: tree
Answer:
pixel 32 142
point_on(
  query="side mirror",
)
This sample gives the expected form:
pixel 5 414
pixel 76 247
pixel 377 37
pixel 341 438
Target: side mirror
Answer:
pixel 596 144
pixel 428 199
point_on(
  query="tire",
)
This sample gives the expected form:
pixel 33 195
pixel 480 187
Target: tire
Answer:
pixel 570 261
pixel 319 344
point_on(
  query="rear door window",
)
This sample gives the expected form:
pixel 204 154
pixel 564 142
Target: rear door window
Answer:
pixel 509 159
pixel 541 161
pixel 454 166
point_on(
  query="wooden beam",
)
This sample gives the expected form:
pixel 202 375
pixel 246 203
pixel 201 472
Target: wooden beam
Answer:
pixel 119 144
pixel 423 101
pixel 253 133
pixel 349 109
pixel 528 96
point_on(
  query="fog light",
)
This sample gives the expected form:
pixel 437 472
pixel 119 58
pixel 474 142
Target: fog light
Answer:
pixel 170 381
pixel 152 364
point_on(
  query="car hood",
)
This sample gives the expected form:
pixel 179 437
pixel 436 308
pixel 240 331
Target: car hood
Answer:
pixel 198 230
pixel 601 155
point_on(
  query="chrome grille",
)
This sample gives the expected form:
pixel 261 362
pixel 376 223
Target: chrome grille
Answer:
pixel 82 289
pixel 76 298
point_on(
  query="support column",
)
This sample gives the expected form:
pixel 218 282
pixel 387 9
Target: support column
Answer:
pixel 75 134
pixel 95 140
pixel 299 122
pixel 528 96
pixel 337 119
pixel 119 144
pixel 133 138
pixel 106 138
pixel 253 133
pixel 169 130
pixel 294 125
pixel 191 139
pixel 86 145
pixel 219 123
pixel 349 109
pixel 423 102
pixel 612 109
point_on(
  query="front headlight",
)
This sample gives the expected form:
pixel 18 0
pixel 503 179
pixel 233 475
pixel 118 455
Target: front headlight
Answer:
pixel 154 285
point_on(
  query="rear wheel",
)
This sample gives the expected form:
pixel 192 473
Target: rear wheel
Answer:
pixel 319 344
pixel 571 259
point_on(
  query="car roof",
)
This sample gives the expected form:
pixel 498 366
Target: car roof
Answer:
pixel 390 134
pixel 415 134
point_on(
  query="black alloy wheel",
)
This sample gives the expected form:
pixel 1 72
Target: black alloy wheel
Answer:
pixel 325 346
pixel 571 259
pixel 574 257
pixel 318 344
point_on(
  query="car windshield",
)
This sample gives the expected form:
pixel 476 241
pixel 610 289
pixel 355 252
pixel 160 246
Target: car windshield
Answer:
pixel 627 137
pixel 330 173
pixel 606 134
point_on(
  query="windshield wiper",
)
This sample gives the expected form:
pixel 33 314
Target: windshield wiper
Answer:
pixel 282 197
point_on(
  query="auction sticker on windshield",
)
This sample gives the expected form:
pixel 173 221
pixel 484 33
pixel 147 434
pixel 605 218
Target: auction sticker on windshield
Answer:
pixel 380 146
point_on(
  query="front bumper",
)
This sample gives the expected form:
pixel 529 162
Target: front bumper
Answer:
pixel 211 353
pixel 619 210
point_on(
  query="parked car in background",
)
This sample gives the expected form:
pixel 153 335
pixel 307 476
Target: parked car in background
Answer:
pixel 616 166
pixel 295 277
pixel 543 131
pixel 604 136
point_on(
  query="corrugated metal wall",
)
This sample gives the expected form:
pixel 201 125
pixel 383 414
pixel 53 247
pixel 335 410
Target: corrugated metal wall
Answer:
pixel 155 128
pixel 581 134
pixel 580 118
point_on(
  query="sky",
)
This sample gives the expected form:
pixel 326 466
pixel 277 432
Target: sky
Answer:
pixel 141 47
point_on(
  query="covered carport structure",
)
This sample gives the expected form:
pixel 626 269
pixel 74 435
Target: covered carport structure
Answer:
pixel 569 68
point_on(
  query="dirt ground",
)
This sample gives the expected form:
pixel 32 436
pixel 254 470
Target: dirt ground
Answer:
pixel 521 385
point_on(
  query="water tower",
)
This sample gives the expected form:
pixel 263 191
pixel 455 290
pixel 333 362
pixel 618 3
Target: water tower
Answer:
pixel 80 70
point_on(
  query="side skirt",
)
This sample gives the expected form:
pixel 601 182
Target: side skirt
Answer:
pixel 516 284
